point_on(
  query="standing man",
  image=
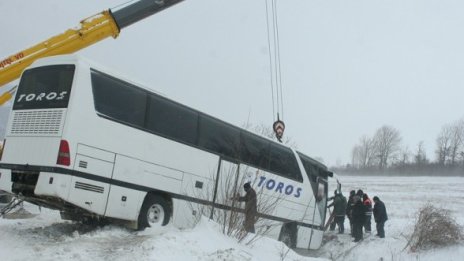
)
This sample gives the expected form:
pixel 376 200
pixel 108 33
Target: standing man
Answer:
pixel 368 203
pixel 349 210
pixel 339 211
pixel 250 207
pixel 358 216
pixel 339 203
pixel 380 216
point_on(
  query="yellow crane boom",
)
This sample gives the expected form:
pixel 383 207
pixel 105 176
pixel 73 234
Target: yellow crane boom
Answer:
pixel 91 30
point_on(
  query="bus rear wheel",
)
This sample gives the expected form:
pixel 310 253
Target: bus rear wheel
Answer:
pixel 155 212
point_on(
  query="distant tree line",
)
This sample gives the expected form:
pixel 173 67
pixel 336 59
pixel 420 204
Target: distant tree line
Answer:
pixel 383 153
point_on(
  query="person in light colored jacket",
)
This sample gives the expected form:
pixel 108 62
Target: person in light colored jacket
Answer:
pixel 250 207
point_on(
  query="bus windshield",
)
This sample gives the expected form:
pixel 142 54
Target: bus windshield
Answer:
pixel 45 87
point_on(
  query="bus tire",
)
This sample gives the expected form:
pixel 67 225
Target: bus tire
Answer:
pixel 288 235
pixel 155 212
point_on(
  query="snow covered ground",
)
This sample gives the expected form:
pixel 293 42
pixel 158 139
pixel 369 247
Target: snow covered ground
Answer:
pixel 403 197
pixel 46 237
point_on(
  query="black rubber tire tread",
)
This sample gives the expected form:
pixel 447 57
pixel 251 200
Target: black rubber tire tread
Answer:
pixel 288 235
pixel 149 201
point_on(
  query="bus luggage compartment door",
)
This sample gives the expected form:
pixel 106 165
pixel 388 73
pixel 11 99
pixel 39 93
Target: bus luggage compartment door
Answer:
pixel 90 184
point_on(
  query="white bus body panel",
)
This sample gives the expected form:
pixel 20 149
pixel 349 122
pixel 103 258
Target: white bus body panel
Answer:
pixel 124 203
pixel 115 165
pixel 187 213
pixel 31 150
pixel 147 174
pixel 88 194
pixel 53 185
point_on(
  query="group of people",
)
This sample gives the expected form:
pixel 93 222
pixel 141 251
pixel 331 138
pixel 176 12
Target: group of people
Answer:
pixel 359 210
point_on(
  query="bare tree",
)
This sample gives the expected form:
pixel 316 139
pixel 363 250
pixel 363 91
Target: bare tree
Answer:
pixel 368 151
pixel 405 155
pixel 434 228
pixel 387 142
pixel 461 150
pixel 457 130
pixel 461 157
pixel 363 154
pixel 443 144
pixel 228 212
pixel 450 143
pixel 420 158
pixel 356 156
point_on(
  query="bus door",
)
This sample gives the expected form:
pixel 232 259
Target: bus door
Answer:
pixel 227 186
pixel 311 238
pixel 321 199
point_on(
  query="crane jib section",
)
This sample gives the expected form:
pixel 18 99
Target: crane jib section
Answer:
pixel 92 29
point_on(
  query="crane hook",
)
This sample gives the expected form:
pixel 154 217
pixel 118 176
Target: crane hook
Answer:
pixel 279 128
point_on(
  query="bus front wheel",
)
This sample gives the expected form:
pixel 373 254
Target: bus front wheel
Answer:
pixel 288 235
pixel 155 212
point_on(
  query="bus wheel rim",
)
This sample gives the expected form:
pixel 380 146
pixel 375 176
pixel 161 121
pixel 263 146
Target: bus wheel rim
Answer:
pixel 155 215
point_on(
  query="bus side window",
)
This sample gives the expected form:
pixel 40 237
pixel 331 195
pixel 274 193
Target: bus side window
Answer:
pixel 172 120
pixel 254 150
pixel 283 161
pixel 218 137
pixel 126 103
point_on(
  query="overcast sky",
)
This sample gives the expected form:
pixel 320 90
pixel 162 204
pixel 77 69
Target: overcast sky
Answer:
pixel 348 67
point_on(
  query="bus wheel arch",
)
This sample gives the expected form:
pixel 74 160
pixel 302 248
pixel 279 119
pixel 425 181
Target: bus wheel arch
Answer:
pixel 288 234
pixel 156 210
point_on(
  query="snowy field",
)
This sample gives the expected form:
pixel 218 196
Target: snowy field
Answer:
pixel 46 237
pixel 403 197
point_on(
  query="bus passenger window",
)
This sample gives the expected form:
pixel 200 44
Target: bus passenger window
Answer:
pixel 172 120
pixel 219 137
pixel 119 100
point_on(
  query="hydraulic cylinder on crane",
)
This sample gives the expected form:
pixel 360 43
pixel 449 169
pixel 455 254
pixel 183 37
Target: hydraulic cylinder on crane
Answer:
pixel 91 30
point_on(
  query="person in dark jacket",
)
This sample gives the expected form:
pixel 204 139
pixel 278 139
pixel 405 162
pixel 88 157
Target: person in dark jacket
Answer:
pixel 368 203
pixel 250 207
pixel 359 217
pixel 349 208
pixel 333 224
pixel 380 216
pixel 339 211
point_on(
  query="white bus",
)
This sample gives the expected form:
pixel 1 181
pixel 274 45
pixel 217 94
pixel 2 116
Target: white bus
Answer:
pixel 93 145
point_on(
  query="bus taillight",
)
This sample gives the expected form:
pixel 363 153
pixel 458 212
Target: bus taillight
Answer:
pixel 63 154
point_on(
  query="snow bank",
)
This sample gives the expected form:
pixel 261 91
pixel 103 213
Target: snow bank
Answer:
pixel 47 237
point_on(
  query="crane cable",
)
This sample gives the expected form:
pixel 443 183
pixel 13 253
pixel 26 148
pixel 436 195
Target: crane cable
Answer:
pixel 270 59
pixel 275 69
pixel 277 56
